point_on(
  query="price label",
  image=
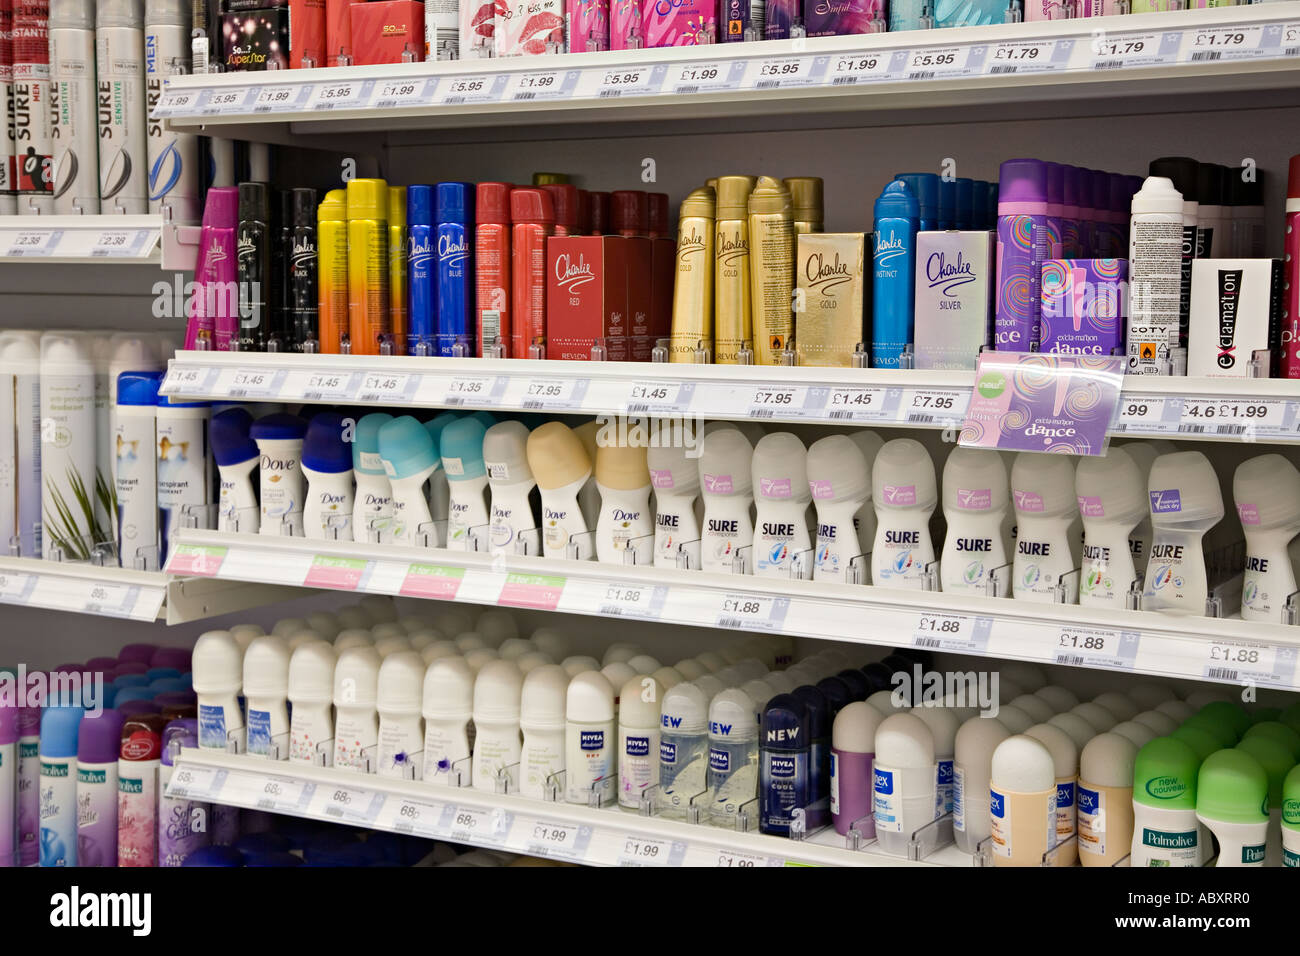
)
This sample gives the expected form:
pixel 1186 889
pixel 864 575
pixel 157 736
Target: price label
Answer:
pixel 390 94
pixel 485 88
pixel 388 388
pixel 1124 51
pixel 337 96
pixel 115 244
pixel 183 376
pixel 275 99
pixel 1142 413
pixel 752 612
pixel 555 839
pixel 319 386
pixel 1230 417
pixel 248 383
pixel 788 402
pixel 476 825
pixel 351 804
pixel 634 600
pixel 946 61
pixel 780 72
pixel 737 859
pixel 225 101
pixel 113 600
pixel 628 81
pixel 407 815
pixel 664 398
pixel 1250 662
pixel 33 242
pixel 647 851
pixel 952 632
pixel 930 406
pixel 541 85
pixel 274 793
pixel 552 394
pixel 1028 56
pixel 176 102
pixel 197 560
pixel 472 390
pixel 846 404
pixel 1096 647
pixel 16 587
pixel 196 783
pixel 1290 38
pixel 851 69
pixel 708 77
pixel 1209 45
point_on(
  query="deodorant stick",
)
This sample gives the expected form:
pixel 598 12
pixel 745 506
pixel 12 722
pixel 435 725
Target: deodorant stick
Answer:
pixel 1065 760
pixel 311 694
pixel 839 480
pixel 726 482
pixel 1186 502
pixel 973 748
pixel 781 496
pixel 905 494
pixel 853 751
pixel 1042 489
pixel 1112 502
pixel 1022 802
pixel 904 781
pixel 1106 799
pixel 976 500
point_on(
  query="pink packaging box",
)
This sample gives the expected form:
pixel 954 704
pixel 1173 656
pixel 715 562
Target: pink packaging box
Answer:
pixel 679 22
pixel 529 27
pixel 587 26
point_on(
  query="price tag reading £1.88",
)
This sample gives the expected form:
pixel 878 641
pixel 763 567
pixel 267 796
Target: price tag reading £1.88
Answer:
pixel 752 612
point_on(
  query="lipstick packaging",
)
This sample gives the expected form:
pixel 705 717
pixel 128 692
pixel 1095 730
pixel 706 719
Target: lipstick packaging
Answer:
pixel 1085 306
pixel 586 296
pixel 529 27
pixel 954 298
pixel 829 275
pixel 389 32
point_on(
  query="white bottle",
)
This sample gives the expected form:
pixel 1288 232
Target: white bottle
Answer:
pixel 372 508
pixel 439 487
pixel 869 443
pixel 975 503
pixel 409 458
pixel 678 508
pixel 561 466
pixel 356 722
pixel 683 748
pixel 237 458
pixel 626 522
pixel 782 546
pixel 279 442
pixel 1110 492
pixel 1144 455
pixel 1106 799
pixel 904 776
pixel 904 493
pixel 512 525
pixel 973 748
pixel 579 664
pixel 942 722
pixel 1042 490
pixel 1155 276
pixel 1022 802
pixel 327 466
pixel 541 719
pixel 69 447
pixel 73 102
pixel 401 731
pixel 726 483
pixel 20 460
pixel 218 679
pixel 590 741
pixel 461 447
pixel 311 694
pixel 497 744
pixel 123 149
pixel 1185 503
pixel 840 483
pixel 1065 761
pixel 184 463
pixel 1267 494
pixel 732 777
pixel 266 693
pixel 173 157
pixel 638 739
pixel 136 471
pixel 448 732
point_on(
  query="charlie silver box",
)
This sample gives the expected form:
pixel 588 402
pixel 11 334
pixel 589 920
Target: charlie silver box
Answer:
pixel 954 297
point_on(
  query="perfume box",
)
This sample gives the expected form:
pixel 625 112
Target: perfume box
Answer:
pixel 587 26
pixel 306 34
pixel 663 272
pixel 338 31
pixel 1084 306
pixel 679 22
pixel 954 298
pixel 1235 312
pixel 389 32
pixel 529 27
pixel 640 297
pixel 835 18
pixel 256 40
pixel 586 297
pixel 830 285
pixel 243 6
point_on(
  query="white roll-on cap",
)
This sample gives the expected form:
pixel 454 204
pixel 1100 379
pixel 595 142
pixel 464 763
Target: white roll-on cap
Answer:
pixel 401 683
pixel 1028 676
pixel 760 692
pixel 668 677
pixel 686 709
pixel 779 467
pixel 352 637
pixel 1034 706
pixel 469 641
pixel 381 609
pixel 1015 719
pixel 1266 490
pixel 448 688
pixel 1064 751
pixel 452 619
pixel 730 677
pixel 590 699
pixel 904 741
pixel 1148 696
pixel 244 633
pixel 356 677
pixel 1162 724
pixel 388 629
pixel 712 660
pixel 1095 714
pixel 505 453
pixel 479 657
pixel 1009 688
pixel 1080 730
pixel 305 636
pixel 869 443
pixel 542 698
pixel 751 668
pixel 415 623
pixel 1107 761
pixel 217 663
pixel 733 653
pixel 1140 734
pixel 551 641
pixel 1111 487
pixel 973 748
pixel 311 674
pixel 438 650
pixel 855 728
pixel 643 664
pixel 903 476
pixel 672 472
pixel 325 623
pixel 579 663
pixel 710 685
pixel 975 481
pixel 943 727
pixel 837 470
pixel 421 639
pixel 1022 764
pixel 622 651
pixel 1117 704
pixel 725 460
pixel 1043 484
pixel 494 626
pixel 1057 697
pixel 731 715
pixel 1145 453
pixel 288 626
pixel 618 673
pixel 392 645
pixel 354 616
pixel 780 682
pixel 883 701
pixel 514 647
pixel 533 659
pixel 266 667
pixel 690 668
pixel 1184 487
pixel 497 688
pixel 1206 695
pixel 639 704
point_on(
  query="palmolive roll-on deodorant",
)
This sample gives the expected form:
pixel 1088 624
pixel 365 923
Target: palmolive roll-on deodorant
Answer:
pixel 840 482
pixel 976 499
pixel 1232 801
pixel 1291 818
pixel 781 496
pixel 1266 490
pixel 1277 759
pixel 1165 829
pixel 904 493
pixel 1183 490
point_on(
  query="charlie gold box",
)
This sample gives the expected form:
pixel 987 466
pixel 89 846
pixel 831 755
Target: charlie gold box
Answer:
pixel 829 301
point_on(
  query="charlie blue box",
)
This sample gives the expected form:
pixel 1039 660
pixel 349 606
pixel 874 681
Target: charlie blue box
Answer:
pixel 1085 306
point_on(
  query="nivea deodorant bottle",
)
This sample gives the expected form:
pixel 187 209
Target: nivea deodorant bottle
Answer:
pixel 625 522
pixel 904 492
pixel 590 741
pixel 839 480
pixel 904 775
pixel 1111 493
pixel 1065 759
pixel 975 503
pixel 184 825
pixel 1267 494
pixel 497 743
pixel 512 524
pixel 973 749
pixel 638 738
pixel 1106 799
pixel 683 748
pixel 853 750
pixel 1185 503
pixel 726 482
pixel 732 778
pixel 372 512
pixel 58 835
pixel 1042 490
pixel 237 457
pixel 356 722
pixel 678 506
pixel 541 719
pixel 311 696
pixel 266 691
pixel 327 466
pixel 781 494
pixel 819 753
pixel 448 705
pixel 1022 802
pixel 785 779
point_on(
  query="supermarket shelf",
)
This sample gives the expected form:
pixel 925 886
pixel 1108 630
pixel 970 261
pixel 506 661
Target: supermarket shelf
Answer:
pixel 563 831
pixel 136 595
pixel 81 239
pixel 1229 651
pixel 1262 410
pixel 1196 52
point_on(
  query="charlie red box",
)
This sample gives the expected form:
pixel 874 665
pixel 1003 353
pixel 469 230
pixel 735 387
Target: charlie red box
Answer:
pixel 383 32
pixel 586 296
pixel 338 31
pixel 640 267
pixel 663 269
pixel 306 33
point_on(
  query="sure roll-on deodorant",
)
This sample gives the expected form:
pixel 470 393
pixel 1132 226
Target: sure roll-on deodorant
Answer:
pixel 1042 490
pixel 1110 492
pixel 1266 490
pixel 839 480
pixel 904 494
pixel 1185 500
pixel 781 497
pixel 726 482
pixel 975 503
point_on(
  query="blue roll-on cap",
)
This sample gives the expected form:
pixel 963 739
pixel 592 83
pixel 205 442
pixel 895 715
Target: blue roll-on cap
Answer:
pixel 126 694
pixel 837 693
pixel 897 202
pixel 462 449
pixel 434 427
pixel 130 680
pixel 406 448
pixel 59 729
pixel 915 655
pixel 819 715
pixel 228 433
pixel 138 388
pixel 188 680
pixel 167 685
pixel 878 676
pixel 280 427
pixel 981 202
pixel 365 441
pixel 965 203
pixel 785 724
pixel 323 449
pixel 487 418
pixel 225 856
pixel 158 673
pixel 177 403
pixel 272 859
pixel 456 202
pixel 264 842
pixel 925 189
pixel 859 686
pixel 947 204
pixel 419 206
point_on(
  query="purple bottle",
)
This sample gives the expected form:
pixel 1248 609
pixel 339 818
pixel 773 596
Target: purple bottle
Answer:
pixel 853 753
pixel 1023 246
pixel 183 825
pixel 214 308
pixel 1118 203
pixel 176 657
pixel 1071 227
pixel 784 19
pixel 8 783
pixel 1055 210
pixel 143 653
pixel 29 788
pixel 99 741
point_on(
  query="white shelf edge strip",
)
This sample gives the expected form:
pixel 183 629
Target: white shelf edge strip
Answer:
pixel 79 238
pixel 82 588
pixel 1198 648
pixel 563 831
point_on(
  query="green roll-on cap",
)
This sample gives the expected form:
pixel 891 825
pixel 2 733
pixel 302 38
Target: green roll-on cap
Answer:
pixel 1291 717
pixel 1276 760
pixel 1261 714
pixel 1202 743
pixel 1228 714
pixel 1220 731
pixel 1276 730
pixel 1291 799
pixel 1164 775
pixel 1232 787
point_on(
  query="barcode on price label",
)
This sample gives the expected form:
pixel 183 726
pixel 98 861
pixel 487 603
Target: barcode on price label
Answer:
pixel 476 825
pixel 388 387
pixel 637 600
pixel 735 858
pixel 566 840
pixel 407 815
pixel 196 783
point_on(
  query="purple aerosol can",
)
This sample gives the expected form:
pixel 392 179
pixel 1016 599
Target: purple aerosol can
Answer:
pixel 1023 246
pixel 98 742
pixel 1071 227
pixel 1055 210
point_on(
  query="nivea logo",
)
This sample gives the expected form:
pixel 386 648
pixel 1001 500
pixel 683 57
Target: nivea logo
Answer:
pixel 591 740
pixel 1164 502
pixel 667 752
pixel 997 804
pixel 636 746
pixel 571 274
pixel 1064 795
pixel 781 766
pixel 719 761
pixel 948 276
pixel 882 781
